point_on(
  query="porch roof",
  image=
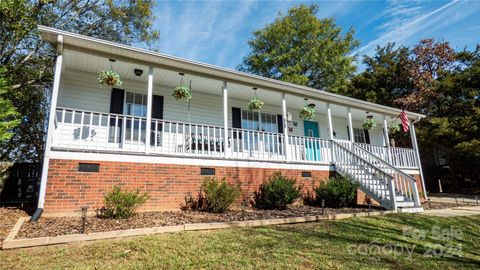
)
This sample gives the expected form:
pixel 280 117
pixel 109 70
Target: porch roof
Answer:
pixel 151 58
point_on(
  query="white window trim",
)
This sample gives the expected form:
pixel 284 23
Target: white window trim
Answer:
pixel 260 120
pixel 362 135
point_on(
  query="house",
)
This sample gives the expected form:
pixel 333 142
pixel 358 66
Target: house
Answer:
pixel 139 136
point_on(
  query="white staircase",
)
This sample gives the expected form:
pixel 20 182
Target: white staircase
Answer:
pixel 386 184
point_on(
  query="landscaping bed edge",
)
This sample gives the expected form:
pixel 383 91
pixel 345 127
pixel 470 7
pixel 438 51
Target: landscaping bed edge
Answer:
pixel 12 243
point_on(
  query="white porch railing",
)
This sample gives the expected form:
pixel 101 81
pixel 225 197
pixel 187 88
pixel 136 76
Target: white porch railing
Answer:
pixel 309 149
pixel 88 130
pixel 400 157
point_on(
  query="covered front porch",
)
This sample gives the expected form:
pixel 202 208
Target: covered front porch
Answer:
pixel 215 123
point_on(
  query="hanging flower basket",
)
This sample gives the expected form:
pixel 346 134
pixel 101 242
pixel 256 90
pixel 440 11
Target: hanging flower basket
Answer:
pixel 109 78
pixel 369 123
pixel 180 92
pixel 307 113
pixel 255 104
pixel 394 128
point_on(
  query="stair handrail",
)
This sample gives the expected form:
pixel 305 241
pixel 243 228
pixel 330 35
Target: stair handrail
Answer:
pixel 394 169
pixel 389 181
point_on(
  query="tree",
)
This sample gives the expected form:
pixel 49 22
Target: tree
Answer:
pixel 386 77
pixel 8 115
pixel 300 48
pixel 454 123
pixel 29 61
pixel 430 59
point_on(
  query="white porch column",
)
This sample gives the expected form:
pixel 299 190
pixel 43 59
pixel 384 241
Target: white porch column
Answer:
pixel 330 126
pixel 51 122
pixel 350 125
pixel 149 110
pixel 285 128
pixel 413 136
pixel 330 131
pixel 386 139
pixel 225 119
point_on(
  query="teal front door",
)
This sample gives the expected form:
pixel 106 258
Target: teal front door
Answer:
pixel 312 146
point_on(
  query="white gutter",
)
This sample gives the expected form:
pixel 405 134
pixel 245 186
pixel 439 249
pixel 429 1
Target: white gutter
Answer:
pixel 151 58
pixel 50 130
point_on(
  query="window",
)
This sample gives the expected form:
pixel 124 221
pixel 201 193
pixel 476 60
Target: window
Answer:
pixel 359 135
pixel 136 104
pixel 259 121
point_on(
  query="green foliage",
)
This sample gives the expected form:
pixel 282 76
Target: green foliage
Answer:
pixel 300 48
pixel 255 104
pixel 386 77
pixel 29 61
pixel 277 192
pixel 369 123
pixel 109 78
pixel 307 113
pixel 337 192
pixel 215 196
pixel 219 195
pixel 119 204
pixel 9 118
pixel 180 92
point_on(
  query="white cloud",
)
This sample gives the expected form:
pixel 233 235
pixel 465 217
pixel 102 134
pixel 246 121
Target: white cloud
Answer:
pixel 404 28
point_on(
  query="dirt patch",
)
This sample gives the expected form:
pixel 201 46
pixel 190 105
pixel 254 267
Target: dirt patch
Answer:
pixel 439 205
pixel 8 218
pixel 54 226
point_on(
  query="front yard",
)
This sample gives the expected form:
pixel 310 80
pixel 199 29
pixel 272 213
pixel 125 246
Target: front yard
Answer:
pixel 393 241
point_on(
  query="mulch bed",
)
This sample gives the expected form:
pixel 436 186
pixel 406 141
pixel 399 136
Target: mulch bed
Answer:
pixel 8 218
pixel 55 226
pixel 439 205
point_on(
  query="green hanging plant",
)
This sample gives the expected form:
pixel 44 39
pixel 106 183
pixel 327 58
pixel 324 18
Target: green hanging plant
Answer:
pixel 255 104
pixel 369 123
pixel 181 91
pixel 307 113
pixel 109 78
pixel 394 128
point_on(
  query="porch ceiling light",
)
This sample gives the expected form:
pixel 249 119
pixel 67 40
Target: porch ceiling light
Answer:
pixel 137 72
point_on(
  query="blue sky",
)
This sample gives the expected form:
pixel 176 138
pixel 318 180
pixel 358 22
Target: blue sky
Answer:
pixel 216 32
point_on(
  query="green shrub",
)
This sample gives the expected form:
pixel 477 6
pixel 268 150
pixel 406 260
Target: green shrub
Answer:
pixel 337 192
pixel 215 196
pixel 122 204
pixel 277 192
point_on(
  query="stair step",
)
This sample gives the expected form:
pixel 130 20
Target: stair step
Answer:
pixel 410 209
pixel 405 204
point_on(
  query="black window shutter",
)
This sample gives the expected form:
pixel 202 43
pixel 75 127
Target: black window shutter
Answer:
pixel 157 113
pixel 280 123
pixel 116 101
pixel 367 136
pixel 348 132
pixel 157 107
pixel 236 117
pixel 236 121
pixel 116 106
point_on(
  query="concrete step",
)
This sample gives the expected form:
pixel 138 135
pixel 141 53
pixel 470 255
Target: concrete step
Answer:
pixel 410 209
pixel 405 204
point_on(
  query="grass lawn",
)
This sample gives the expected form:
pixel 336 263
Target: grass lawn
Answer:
pixel 344 244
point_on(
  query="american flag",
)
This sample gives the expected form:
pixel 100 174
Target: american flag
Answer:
pixel 404 119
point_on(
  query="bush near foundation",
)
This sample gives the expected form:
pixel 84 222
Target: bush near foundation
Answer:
pixel 337 192
pixel 119 204
pixel 215 196
pixel 278 192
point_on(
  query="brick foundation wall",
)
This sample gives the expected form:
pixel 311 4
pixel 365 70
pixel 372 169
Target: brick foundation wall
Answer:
pixel 68 189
